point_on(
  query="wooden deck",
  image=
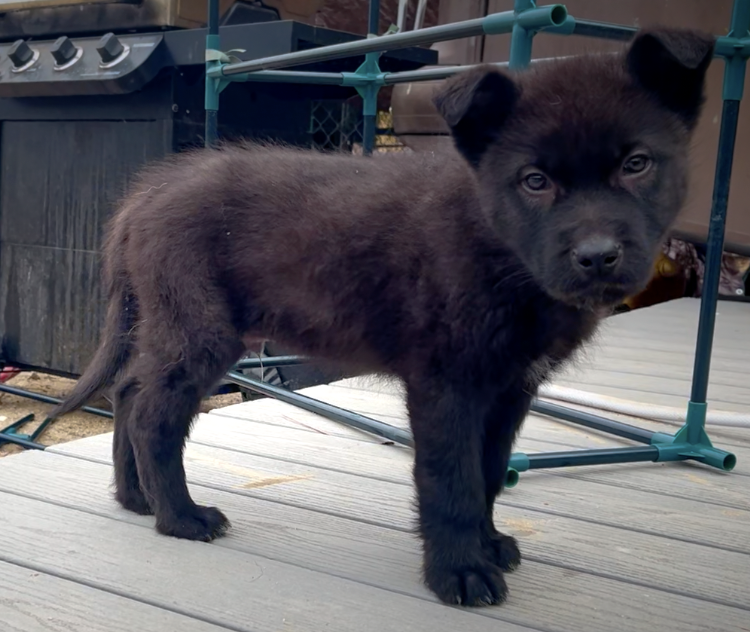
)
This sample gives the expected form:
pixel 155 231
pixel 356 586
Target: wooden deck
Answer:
pixel 322 518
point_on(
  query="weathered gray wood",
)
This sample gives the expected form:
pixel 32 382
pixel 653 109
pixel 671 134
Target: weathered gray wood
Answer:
pixel 233 588
pixel 682 371
pixel 660 562
pixel 565 496
pixel 659 343
pixel 571 497
pixel 721 396
pixel 658 335
pixel 31 601
pixel 551 598
pixel 279 414
pixel 688 481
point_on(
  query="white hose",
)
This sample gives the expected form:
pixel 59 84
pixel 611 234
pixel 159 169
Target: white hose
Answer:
pixel 667 414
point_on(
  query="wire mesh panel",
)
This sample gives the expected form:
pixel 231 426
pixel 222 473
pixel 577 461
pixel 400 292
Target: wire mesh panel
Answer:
pixel 335 125
pixel 338 126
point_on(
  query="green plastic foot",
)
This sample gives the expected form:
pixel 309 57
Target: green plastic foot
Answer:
pixel 518 463
pixel 511 478
pixel 692 443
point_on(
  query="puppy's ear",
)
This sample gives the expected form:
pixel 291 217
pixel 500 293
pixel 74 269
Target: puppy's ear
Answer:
pixel 672 64
pixel 475 103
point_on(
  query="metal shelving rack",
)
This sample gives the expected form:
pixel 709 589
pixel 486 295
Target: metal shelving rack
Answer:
pixel 524 22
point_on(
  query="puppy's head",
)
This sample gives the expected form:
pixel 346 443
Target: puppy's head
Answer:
pixel 582 162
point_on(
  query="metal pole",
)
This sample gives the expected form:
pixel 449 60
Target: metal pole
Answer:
pixel 626 431
pixel 19 392
pixel 373 18
pixel 329 411
pixel 734 81
pixel 213 42
pixel 368 129
pixel 370 95
pixel 601 30
pixel 24 443
pixel 715 247
pixel 572 458
pixel 267 363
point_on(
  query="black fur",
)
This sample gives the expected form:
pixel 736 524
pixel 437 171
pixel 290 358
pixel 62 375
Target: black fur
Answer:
pixel 469 278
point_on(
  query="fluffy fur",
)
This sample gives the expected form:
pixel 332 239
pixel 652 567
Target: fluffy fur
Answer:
pixel 468 275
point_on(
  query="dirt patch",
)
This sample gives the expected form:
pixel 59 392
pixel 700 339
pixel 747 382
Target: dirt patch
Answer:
pixel 76 425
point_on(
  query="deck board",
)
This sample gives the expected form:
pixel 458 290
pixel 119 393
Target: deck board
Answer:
pixel 544 536
pixel 323 514
pixel 226 586
pixel 388 557
pixel 68 602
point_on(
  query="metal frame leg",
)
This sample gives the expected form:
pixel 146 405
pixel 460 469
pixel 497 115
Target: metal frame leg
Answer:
pixel 10 434
pixel 213 86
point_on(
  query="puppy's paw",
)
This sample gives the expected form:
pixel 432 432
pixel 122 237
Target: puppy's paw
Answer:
pixel 135 501
pixel 470 584
pixel 197 523
pixel 503 551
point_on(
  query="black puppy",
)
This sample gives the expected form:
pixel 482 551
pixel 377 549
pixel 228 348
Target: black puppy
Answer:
pixel 469 276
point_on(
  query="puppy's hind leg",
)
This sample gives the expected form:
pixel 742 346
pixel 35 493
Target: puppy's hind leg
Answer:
pixel 167 400
pixel 128 490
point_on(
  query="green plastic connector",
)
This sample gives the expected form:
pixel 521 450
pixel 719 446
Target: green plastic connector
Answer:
pixel 215 81
pixel 367 79
pixel 566 28
pixel 527 20
pixel 692 443
pixel 526 15
pixel 518 463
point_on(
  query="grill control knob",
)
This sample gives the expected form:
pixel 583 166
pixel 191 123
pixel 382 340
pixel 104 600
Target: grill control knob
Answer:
pixel 20 53
pixel 63 50
pixel 109 48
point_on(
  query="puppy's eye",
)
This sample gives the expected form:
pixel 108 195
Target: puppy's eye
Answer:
pixel 637 163
pixel 535 182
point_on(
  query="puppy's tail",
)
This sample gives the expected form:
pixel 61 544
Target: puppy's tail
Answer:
pixel 114 350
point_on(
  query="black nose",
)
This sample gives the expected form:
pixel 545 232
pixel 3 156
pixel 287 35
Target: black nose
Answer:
pixel 597 255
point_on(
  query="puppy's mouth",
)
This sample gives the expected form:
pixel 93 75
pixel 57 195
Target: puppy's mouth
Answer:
pixel 596 297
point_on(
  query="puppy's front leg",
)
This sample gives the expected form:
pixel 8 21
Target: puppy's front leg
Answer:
pixel 448 426
pixel 502 422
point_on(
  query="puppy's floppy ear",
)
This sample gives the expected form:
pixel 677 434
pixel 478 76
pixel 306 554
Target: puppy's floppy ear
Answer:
pixel 475 103
pixel 672 64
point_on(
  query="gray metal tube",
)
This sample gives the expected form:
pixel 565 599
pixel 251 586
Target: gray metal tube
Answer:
pixel 626 431
pixel 272 361
pixel 573 458
pixel 24 443
pixel 602 30
pixel 292 76
pixel 373 17
pixel 329 411
pixel 434 74
pixel 39 397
